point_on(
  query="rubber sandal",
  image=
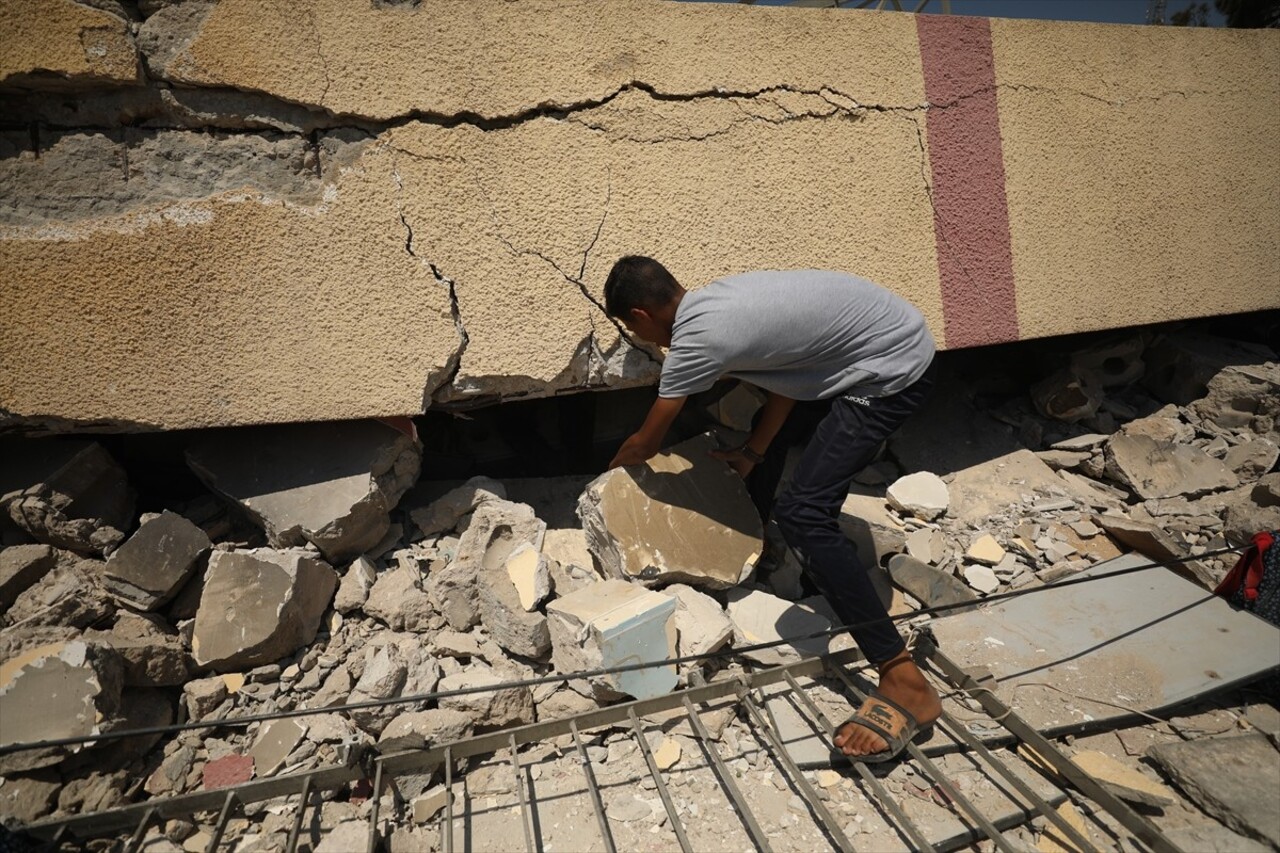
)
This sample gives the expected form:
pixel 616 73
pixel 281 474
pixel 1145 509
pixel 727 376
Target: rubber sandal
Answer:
pixel 892 722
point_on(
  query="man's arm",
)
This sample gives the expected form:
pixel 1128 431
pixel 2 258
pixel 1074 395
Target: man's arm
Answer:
pixel 647 440
pixel 773 414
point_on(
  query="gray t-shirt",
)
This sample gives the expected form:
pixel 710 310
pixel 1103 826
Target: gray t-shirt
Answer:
pixel 804 334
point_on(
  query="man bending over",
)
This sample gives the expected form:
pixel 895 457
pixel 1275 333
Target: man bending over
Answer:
pixel 844 363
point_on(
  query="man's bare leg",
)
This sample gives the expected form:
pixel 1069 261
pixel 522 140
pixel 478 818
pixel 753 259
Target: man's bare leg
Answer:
pixel 901 681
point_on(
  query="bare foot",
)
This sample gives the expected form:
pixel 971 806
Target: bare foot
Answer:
pixel 901 681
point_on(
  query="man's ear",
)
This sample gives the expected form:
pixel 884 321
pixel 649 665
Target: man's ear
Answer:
pixel 641 314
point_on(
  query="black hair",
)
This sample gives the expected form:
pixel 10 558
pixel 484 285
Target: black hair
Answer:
pixel 637 282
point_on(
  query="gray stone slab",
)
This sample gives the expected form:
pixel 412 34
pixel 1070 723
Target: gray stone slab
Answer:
pixel 154 563
pixel 1235 779
pixel 1080 654
pixel 933 587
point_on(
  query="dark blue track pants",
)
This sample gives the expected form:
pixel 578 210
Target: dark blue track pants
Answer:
pixel 843 436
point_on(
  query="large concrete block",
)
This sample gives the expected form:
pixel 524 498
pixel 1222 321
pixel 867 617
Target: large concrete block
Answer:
pixel 329 484
pixel 497 528
pixel 71 494
pixel 614 623
pixel 154 563
pixel 65 689
pixel 683 516
pixel 259 606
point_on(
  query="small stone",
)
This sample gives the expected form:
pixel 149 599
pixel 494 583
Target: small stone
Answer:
pixel 353 589
pixel 829 778
pixel 1085 529
pixel 667 753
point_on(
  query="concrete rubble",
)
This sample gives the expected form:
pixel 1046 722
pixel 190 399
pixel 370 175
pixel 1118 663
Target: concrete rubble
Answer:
pixel 194 606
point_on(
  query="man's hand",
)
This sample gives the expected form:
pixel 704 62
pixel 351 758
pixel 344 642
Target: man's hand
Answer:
pixel 634 451
pixel 647 440
pixel 737 460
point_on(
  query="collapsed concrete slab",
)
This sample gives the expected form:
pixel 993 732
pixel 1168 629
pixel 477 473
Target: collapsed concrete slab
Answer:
pixel 330 484
pixel 497 528
pixel 612 623
pixel 71 494
pixel 989 489
pixel 683 516
pixel 153 564
pixel 61 690
pixel 259 606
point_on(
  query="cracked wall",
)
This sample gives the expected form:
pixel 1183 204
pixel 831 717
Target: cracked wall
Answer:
pixel 238 213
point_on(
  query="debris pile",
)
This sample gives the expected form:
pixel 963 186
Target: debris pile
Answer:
pixel 306 580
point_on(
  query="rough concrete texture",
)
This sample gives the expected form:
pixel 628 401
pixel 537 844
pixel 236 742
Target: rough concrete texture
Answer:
pixel 259 606
pixel 682 516
pixel 1226 777
pixel 66 493
pixel 960 137
pixel 332 485
pixel 154 563
pixel 85 677
pixel 61 44
pixel 20 567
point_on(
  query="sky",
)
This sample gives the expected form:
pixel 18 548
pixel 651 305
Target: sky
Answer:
pixel 1099 11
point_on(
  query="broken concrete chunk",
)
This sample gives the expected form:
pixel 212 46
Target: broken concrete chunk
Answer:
pixel 150 655
pixel 926 545
pixel 68 596
pixel 1251 459
pixel 61 690
pixel 1088 441
pixel 701 623
pixel 259 606
pixel 444 513
pixel 20 567
pixel 1249 510
pixel 153 564
pixel 430 804
pixel 383 678
pixel 497 528
pixel 203 696
pixel 1242 396
pixel 868 523
pixel 70 494
pixel 487 708
pixel 511 624
pixel 1154 543
pixel 418 729
pixel 397 598
pixel 762 618
pixel 1227 777
pixel 989 489
pixel 330 484
pixel 273 745
pixel 353 589
pixel 1162 469
pixel 613 623
pixel 932 587
pixel 28 797
pixel 683 516
pixel 921 494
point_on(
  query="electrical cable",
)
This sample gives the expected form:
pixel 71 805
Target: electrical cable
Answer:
pixel 9 749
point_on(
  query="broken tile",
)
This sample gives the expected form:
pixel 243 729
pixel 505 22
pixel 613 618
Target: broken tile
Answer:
pixel 227 771
pixel 985 550
pixel 981 578
pixel 274 744
pixel 926 545
pixel 683 516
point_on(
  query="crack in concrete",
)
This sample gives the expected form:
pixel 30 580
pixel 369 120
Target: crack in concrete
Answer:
pixel 453 364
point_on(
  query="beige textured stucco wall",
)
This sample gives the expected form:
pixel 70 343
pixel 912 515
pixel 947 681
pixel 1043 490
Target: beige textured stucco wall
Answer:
pixel 401 207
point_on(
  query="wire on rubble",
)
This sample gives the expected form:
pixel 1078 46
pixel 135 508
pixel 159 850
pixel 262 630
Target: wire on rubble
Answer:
pixel 737 651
